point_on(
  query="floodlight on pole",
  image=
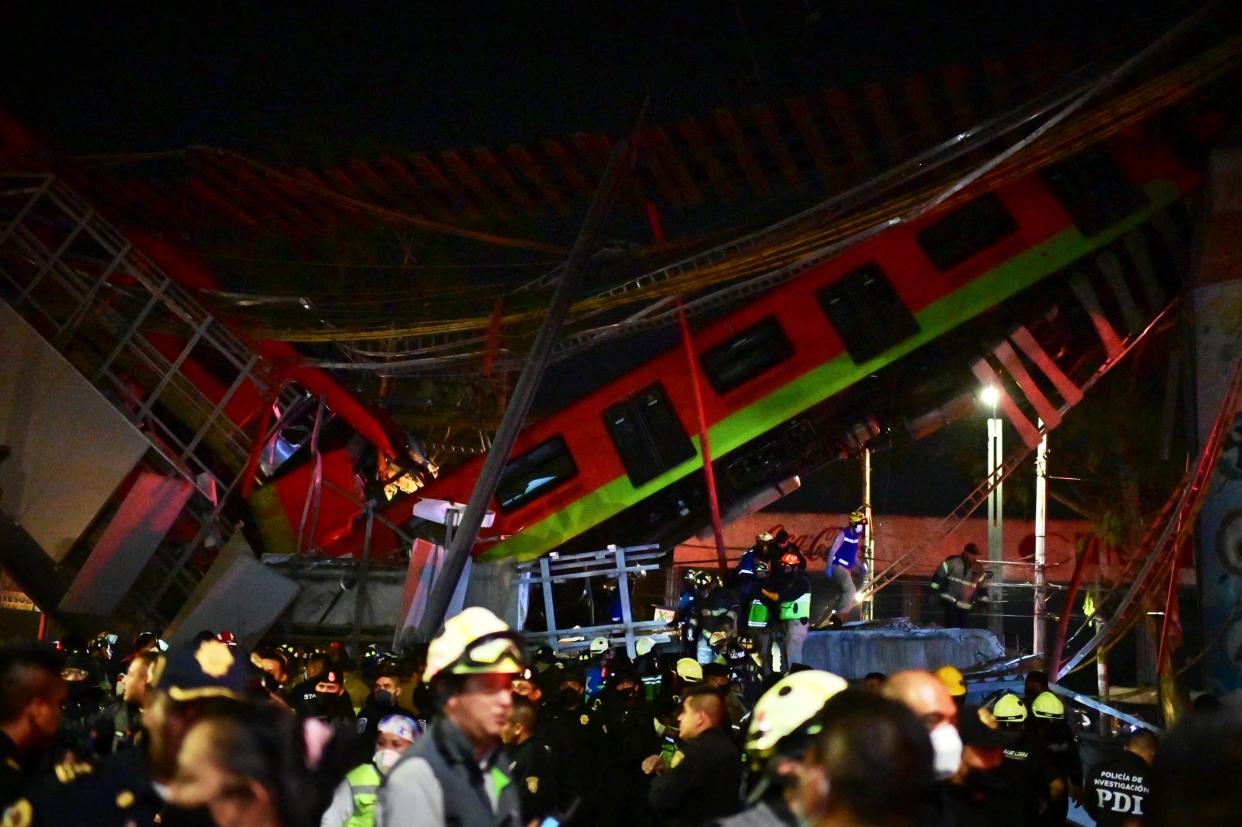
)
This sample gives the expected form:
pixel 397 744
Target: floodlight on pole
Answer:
pixel 989 396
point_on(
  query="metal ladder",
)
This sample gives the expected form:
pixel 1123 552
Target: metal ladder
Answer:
pixel 99 301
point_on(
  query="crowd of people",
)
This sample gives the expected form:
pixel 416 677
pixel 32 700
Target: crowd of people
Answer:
pixel 475 728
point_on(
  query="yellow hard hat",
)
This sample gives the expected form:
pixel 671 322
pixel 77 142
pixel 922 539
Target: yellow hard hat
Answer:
pixel 1009 709
pixel 1047 705
pixel 689 669
pixel 475 642
pixel 952 679
pixel 786 707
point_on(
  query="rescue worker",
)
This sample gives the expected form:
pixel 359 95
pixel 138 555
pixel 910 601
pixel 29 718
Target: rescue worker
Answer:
pixel 625 735
pixel 702 779
pixel 1048 725
pixel 789 590
pixel 531 764
pixel 353 802
pixel 686 618
pixel 1026 768
pixel 458 773
pixel 133 788
pixel 776 742
pixel 979 794
pixel 32 693
pixel 844 566
pixel 718 616
pixel 958 583
pixel 1116 790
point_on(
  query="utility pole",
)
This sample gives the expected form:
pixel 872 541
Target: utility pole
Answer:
pixel 1038 642
pixel 996 526
pixel 868 607
pixel 466 528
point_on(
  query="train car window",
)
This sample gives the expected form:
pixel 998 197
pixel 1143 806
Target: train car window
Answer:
pixel 734 362
pixel 867 313
pixel 1093 190
pixel 535 473
pixel 967 231
pixel 647 434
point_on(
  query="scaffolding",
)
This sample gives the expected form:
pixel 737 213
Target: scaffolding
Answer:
pixel 614 563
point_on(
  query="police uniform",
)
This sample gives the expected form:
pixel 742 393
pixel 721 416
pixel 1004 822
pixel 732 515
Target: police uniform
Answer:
pixel 1028 772
pixel 532 767
pixel 13 776
pixel 702 783
pixel 1117 790
pixel 115 793
pixel 119 792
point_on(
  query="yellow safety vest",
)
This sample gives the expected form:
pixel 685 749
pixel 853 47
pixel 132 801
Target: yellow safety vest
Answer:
pixel 364 782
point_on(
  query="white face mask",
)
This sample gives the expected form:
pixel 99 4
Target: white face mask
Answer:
pixel 947 750
pixel 386 759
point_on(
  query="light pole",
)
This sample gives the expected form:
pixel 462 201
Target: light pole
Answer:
pixel 1038 644
pixel 990 396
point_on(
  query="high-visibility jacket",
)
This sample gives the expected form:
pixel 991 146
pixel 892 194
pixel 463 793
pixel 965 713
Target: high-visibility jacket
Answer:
pixel 364 782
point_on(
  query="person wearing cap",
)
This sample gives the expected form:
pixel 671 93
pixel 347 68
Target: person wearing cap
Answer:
pixel 776 742
pixel 353 802
pixel 702 780
pixel 458 772
pixel 567 723
pixel 623 727
pixel 323 696
pixel 958 583
pixel 134 787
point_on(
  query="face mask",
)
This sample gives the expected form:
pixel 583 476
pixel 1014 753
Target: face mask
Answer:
pixel 383 697
pixel 947 751
pixel 386 759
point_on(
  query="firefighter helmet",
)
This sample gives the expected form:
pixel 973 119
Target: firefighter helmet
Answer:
pixel 475 642
pixel 1009 709
pixel 763 537
pixel 1047 705
pixel 786 708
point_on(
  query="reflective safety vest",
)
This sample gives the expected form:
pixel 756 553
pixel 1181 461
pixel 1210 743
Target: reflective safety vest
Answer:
pixel 799 609
pixel 758 617
pixel 364 782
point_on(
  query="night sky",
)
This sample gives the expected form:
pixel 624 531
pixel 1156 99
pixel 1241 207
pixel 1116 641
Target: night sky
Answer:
pixel 308 83
pixel 322 81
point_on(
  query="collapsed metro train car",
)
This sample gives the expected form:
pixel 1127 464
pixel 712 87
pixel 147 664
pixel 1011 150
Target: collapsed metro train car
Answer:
pixel 788 377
